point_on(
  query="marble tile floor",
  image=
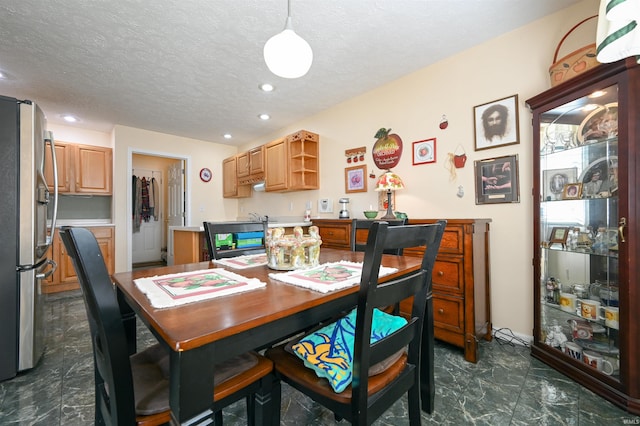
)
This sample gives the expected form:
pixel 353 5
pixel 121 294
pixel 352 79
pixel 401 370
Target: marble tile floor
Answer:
pixel 506 387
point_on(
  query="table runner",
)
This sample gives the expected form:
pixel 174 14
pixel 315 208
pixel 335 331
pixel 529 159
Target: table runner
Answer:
pixel 244 261
pixel 178 289
pixel 328 276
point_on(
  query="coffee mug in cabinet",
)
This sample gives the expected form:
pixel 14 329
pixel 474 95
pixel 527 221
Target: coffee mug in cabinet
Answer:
pixel 612 317
pixel 590 309
pixel 573 350
pixel 598 362
pixel 568 302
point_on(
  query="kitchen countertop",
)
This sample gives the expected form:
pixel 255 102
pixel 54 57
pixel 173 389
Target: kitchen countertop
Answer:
pixel 82 222
pixel 270 225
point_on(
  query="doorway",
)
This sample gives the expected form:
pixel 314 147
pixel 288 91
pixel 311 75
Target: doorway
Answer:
pixel 164 205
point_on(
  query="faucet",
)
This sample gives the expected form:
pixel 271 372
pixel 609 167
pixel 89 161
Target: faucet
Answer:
pixel 255 217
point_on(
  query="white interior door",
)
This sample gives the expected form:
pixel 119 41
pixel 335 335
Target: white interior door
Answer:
pixel 146 245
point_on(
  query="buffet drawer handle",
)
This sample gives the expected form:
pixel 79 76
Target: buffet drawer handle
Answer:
pixel 441 311
pixel 440 273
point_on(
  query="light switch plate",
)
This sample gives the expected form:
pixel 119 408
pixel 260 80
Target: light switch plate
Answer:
pixel 325 205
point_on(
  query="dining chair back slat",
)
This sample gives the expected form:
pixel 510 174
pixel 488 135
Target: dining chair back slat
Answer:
pixel 365 224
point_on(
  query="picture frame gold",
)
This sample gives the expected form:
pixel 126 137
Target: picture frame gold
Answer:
pixel 572 191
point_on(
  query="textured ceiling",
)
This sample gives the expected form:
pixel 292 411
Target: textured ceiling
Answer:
pixel 192 67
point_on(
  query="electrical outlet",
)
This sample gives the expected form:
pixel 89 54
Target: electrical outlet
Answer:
pixel 325 205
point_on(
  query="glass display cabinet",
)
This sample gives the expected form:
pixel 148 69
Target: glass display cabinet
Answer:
pixel 586 300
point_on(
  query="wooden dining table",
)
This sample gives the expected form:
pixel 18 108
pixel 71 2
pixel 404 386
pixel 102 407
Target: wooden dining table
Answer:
pixel 202 333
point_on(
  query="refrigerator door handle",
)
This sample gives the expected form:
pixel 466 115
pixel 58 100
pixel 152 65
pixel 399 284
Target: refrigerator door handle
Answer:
pixel 49 137
pixel 44 275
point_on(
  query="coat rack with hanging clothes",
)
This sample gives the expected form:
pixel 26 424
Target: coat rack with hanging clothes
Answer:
pixel 145 195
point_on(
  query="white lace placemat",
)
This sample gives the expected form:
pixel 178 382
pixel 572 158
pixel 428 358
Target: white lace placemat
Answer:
pixel 244 261
pixel 165 291
pixel 328 276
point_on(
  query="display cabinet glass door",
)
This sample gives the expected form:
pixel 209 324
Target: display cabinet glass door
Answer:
pixel 579 218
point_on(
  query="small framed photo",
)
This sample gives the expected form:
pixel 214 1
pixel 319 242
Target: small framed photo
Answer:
pixel 424 151
pixel 496 123
pixel 572 191
pixel 497 180
pixel 554 182
pixel 559 236
pixel 355 179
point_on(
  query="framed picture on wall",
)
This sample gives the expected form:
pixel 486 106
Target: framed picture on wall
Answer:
pixel 355 179
pixel 497 180
pixel 424 151
pixel 496 123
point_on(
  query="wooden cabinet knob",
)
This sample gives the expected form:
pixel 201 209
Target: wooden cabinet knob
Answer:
pixel 441 311
pixel 440 273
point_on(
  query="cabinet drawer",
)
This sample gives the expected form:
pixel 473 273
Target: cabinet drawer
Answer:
pixel 102 232
pixel 335 235
pixel 448 313
pixel 452 240
pixel 448 275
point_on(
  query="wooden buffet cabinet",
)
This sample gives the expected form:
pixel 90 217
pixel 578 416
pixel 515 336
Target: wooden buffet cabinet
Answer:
pixel 461 278
pixel 65 278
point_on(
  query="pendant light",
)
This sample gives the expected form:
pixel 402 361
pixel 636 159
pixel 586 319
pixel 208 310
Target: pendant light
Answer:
pixel 287 54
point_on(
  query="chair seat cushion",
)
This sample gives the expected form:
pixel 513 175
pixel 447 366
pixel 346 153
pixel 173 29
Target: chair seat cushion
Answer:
pixel 150 371
pixel 329 350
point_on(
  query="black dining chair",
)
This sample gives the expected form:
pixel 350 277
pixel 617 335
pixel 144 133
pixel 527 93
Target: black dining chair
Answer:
pixel 211 229
pixel 397 371
pixel 134 388
pixel 357 224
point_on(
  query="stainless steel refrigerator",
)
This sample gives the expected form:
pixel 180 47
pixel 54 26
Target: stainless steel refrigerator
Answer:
pixel 24 241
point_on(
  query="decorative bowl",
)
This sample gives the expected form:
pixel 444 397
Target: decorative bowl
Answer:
pixel 370 214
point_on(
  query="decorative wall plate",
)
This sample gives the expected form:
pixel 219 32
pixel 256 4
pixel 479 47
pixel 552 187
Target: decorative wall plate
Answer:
pixel 205 174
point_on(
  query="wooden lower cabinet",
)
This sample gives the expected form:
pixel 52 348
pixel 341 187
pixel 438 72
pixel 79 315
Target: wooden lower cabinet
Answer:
pixel 64 278
pixel 461 279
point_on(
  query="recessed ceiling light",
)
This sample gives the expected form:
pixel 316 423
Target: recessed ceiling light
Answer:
pixel 227 136
pixel 2 75
pixel 264 116
pixel 70 118
pixel 266 87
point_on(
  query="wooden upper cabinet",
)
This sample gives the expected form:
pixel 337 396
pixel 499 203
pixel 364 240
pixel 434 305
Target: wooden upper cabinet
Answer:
pixel 292 163
pixel 275 158
pixel 93 169
pixel 230 187
pixel 251 166
pixel 242 165
pixel 82 169
pixel 63 161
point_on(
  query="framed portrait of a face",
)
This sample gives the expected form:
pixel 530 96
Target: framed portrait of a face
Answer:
pixel 496 123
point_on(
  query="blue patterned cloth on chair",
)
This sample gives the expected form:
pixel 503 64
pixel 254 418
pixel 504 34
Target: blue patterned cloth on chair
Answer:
pixel 329 351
